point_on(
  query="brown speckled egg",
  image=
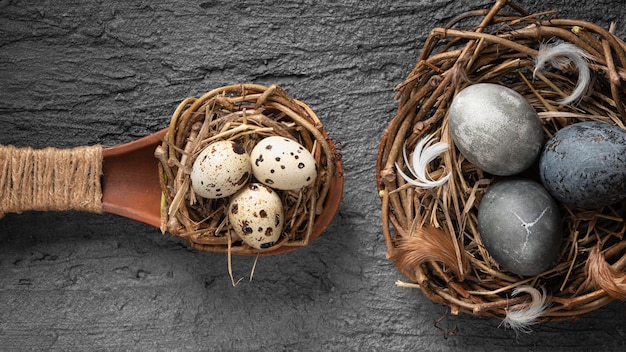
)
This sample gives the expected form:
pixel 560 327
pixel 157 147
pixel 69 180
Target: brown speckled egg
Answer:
pixel 256 215
pixel 282 163
pixel 220 170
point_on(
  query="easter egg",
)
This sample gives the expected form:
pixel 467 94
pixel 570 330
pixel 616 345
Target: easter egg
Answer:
pixel 495 128
pixel 584 165
pixel 282 163
pixel 520 226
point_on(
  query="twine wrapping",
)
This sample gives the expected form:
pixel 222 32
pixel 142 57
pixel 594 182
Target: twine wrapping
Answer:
pixel 50 179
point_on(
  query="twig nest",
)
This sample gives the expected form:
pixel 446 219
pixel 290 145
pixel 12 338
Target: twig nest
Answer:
pixel 213 191
pixel 433 234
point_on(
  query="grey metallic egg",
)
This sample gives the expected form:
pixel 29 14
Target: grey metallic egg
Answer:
pixel 520 226
pixel 495 128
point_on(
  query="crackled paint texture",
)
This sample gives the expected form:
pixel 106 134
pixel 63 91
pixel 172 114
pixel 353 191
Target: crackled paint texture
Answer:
pixel 86 72
pixel 520 226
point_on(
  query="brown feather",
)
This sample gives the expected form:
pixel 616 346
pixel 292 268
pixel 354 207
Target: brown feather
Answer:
pixel 429 243
pixel 600 274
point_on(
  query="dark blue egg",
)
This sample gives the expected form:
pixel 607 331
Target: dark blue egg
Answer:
pixel 584 165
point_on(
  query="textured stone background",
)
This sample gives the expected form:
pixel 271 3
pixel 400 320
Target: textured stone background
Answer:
pixel 85 72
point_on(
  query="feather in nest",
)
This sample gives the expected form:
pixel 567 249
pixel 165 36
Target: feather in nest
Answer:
pixel 600 274
pixel 560 55
pixel 429 244
pixel 521 319
pixel 425 152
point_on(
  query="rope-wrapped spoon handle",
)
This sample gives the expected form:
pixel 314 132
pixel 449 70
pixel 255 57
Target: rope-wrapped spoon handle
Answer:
pixel 50 179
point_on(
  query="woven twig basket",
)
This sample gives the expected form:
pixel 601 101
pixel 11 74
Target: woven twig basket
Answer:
pixel 245 113
pixel 499 45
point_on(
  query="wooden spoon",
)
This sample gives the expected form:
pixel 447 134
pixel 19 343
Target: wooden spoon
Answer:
pixel 130 186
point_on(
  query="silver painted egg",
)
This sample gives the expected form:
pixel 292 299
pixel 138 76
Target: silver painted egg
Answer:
pixel 495 128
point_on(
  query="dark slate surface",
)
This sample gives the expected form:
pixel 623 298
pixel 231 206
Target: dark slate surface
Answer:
pixel 85 72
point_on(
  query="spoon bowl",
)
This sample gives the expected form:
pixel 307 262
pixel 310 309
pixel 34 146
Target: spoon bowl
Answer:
pixel 130 180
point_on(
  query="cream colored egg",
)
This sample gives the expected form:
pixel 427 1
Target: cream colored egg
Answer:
pixel 282 163
pixel 220 170
pixel 256 215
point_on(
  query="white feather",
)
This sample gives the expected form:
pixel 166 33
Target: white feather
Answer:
pixel 424 153
pixel 562 54
pixel 521 319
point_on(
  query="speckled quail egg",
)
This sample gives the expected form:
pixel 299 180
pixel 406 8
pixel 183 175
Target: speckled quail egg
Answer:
pixel 584 165
pixel 282 163
pixel 520 226
pixel 495 128
pixel 256 215
pixel 220 170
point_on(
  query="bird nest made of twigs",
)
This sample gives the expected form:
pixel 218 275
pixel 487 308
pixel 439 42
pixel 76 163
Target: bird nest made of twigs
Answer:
pixel 245 114
pixel 447 259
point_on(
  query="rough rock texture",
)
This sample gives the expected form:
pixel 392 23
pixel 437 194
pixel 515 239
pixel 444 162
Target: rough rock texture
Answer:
pixel 86 72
